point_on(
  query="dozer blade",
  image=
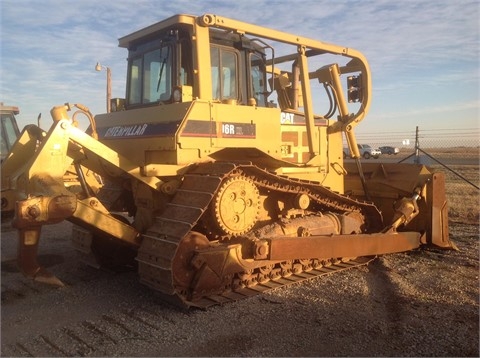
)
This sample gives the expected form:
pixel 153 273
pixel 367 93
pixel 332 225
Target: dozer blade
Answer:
pixel 28 240
pixel 438 234
pixel 387 183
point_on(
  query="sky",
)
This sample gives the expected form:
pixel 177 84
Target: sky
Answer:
pixel 423 54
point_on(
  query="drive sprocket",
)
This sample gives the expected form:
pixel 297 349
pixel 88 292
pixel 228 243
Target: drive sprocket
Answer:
pixel 236 206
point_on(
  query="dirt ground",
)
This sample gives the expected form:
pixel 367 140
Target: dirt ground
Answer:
pixel 420 303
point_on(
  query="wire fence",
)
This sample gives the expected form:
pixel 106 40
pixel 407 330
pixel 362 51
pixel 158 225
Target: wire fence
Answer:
pixel 456 152
pixel 433 138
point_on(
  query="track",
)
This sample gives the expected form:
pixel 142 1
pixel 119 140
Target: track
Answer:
pixel 258 288
pixel 161 243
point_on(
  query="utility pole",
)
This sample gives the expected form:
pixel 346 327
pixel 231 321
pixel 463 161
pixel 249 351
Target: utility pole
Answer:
pixel 417 145
pixel 99 67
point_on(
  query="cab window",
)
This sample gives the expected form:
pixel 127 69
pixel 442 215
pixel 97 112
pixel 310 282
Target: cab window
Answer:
pixel 9 131
pixel 224 73
pixel 258 79
pixel 151 76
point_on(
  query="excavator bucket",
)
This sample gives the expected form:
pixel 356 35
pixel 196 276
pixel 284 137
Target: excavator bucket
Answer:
pixel 387 183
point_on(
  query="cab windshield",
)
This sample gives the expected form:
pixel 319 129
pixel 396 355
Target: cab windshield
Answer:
pixel 150 75
pixel 9 131
pixel 157 66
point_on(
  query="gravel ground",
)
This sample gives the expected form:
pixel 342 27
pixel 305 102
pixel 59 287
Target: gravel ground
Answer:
pixel 420 303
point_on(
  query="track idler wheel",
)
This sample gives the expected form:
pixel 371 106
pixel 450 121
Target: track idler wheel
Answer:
pixel 28 240
pixel 182 267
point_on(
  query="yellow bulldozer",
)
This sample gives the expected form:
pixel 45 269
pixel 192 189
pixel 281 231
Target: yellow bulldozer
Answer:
pixel 219 180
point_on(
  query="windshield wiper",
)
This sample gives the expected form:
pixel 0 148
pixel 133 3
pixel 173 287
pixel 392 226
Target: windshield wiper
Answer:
pixel 162 67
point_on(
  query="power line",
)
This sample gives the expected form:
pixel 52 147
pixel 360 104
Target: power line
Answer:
pixel 449 129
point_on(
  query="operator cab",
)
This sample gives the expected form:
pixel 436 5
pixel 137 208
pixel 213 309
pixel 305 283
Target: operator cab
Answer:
pixel 161 69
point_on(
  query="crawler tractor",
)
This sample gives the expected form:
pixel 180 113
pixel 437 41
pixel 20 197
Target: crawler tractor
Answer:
pixel 217 179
